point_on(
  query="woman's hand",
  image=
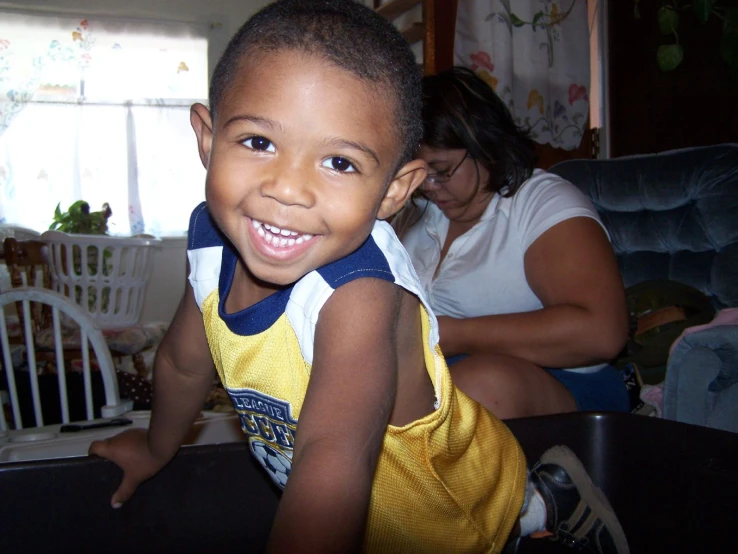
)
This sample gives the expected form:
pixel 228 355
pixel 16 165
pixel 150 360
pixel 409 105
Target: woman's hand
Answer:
pixel 129 451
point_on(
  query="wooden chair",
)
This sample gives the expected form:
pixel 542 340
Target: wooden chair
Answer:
pixel 27 264
pixel 25 258
pixel 28 395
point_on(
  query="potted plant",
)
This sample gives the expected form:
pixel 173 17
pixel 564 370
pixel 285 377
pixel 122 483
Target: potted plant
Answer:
pixel 669 56
pixel 105 275
pixel 78 219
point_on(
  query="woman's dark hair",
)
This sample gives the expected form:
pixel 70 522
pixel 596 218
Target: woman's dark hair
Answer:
pixel 460 111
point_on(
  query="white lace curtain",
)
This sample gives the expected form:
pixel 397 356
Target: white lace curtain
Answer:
pixel 98 110
pixel 535 54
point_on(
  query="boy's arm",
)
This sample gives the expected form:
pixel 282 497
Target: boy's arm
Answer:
pixel 342 423
pixel 183 375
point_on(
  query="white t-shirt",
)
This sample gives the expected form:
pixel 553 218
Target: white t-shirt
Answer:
pixel 483 272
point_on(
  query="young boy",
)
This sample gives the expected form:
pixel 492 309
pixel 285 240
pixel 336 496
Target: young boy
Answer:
pixel 306 304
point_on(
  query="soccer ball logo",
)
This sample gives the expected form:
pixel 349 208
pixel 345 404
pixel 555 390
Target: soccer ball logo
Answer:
pixel 277 464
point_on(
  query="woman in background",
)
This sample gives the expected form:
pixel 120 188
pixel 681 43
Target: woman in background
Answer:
pixel 515 262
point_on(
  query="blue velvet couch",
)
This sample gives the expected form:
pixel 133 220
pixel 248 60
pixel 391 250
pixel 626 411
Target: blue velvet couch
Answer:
pixel 671 215
pixel 674 215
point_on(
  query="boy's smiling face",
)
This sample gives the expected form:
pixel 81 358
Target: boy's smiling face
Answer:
pixel 299 159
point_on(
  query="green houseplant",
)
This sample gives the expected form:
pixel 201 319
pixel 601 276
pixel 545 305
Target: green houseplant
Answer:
pixel 79 219
pixel 105 274
pixel 669 56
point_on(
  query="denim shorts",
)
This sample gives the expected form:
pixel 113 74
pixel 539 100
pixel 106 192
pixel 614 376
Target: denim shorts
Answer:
pixel 601 391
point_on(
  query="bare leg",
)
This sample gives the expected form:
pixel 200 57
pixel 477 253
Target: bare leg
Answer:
pixel 510 387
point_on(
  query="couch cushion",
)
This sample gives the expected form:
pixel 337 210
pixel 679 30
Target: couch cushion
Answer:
pixel 671 215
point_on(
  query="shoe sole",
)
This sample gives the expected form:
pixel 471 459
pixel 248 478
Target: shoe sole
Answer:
pixel 589 492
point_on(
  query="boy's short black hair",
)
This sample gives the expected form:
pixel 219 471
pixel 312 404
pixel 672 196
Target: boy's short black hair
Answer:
pixel 346 33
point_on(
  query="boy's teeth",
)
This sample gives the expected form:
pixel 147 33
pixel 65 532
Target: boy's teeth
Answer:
pixel 278 231
pixel 279 237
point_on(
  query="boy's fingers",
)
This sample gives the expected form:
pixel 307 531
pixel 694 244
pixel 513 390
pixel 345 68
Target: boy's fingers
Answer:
pixel 126 489
pixel 127 486
pixel 98 448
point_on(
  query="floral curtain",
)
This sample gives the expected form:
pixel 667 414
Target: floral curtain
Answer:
pixel 99 110
pixel 535 54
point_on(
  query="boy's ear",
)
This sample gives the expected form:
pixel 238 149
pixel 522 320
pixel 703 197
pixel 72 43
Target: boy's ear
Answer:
pixel 401 188
pixel 202 123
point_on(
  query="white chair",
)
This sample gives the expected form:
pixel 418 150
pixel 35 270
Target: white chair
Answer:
pixel 62 310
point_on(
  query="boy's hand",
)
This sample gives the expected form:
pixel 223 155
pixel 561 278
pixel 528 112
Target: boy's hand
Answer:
pixel 183 376
pixel 130 451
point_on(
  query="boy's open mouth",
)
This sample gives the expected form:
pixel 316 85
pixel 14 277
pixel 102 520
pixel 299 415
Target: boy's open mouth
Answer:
pixel 280 238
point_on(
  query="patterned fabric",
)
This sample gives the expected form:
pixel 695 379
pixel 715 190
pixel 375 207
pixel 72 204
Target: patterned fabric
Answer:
pixel 535 55
pixel 453 481
pixel 136 388
pixel 113 99
pixel 131 340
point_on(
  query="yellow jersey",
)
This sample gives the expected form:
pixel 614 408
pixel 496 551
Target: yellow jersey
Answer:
pixel 453 481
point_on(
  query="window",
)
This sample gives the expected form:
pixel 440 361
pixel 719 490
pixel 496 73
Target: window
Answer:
pixel 98 109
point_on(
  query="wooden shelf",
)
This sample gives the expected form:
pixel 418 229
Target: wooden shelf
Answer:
pixel 435 30
pixel 394 8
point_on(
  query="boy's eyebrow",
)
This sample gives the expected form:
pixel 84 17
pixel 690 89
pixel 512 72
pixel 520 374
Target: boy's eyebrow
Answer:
pixel 264 122
pixel 343 143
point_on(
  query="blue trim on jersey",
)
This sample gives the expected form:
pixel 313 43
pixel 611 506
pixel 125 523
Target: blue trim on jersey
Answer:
pixel 203 232
pixel 367 261
pixel 254 319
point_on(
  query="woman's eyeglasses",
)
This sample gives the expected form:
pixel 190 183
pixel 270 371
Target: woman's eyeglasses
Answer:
pixel 441 178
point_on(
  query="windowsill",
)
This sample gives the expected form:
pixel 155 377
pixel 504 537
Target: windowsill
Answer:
pixel 173 242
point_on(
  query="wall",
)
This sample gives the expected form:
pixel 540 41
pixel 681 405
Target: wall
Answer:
pixel 652 111
pixel 167 283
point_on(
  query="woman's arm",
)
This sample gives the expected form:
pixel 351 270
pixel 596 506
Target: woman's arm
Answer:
pixel 572 270
pixel 342 422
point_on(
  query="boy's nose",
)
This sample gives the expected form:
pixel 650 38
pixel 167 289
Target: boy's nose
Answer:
pixel 289 186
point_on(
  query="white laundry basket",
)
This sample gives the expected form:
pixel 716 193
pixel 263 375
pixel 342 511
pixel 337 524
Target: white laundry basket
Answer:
pixel 105 275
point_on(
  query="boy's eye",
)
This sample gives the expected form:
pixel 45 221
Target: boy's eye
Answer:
pixel 339 164
pixel 259 143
